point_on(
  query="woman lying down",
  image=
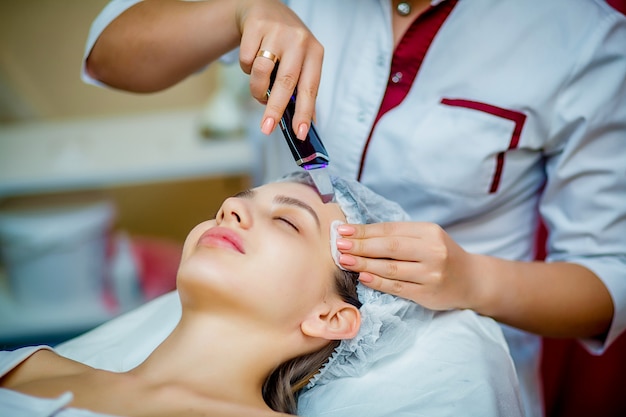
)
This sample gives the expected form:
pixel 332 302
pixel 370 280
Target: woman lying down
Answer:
pixel 265 323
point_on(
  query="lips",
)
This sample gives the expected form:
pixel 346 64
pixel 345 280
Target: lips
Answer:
pixel 222 237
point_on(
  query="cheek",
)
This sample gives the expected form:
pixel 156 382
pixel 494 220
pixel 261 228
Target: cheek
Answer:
pixel 193 236
pixel 301 275
pixel 291 257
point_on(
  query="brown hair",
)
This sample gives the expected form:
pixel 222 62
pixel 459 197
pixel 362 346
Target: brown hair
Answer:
pixel 281 388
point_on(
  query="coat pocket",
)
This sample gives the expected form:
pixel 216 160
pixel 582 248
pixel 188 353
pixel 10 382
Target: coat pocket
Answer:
pixel 461 146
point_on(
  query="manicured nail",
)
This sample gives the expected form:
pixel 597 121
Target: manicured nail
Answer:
pixel 347 260
pixel 267 126
pixel 346 230
pixel 303 129
pixel 344 244
pixel 365 278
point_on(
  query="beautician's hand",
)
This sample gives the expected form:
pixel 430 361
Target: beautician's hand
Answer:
pixel 174 39
pixel 421 262
pixel 270 26
pixel 417 261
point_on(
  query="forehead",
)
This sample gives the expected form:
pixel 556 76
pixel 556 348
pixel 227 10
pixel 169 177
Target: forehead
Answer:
pixel 305 193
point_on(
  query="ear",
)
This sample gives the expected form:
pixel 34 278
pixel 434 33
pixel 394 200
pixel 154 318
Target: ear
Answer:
pixel 339 321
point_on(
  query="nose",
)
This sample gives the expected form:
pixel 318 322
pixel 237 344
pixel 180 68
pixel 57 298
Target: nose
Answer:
pixel 234 210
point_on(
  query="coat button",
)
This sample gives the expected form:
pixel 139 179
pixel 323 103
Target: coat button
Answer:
pixel 395 78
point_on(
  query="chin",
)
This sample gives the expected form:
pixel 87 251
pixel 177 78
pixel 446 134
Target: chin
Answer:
pixel 209 277
pixel 199 270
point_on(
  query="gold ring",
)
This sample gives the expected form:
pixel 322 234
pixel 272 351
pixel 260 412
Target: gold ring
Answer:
pixel 267 54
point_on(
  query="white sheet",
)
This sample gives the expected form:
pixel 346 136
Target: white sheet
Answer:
pixel 459 366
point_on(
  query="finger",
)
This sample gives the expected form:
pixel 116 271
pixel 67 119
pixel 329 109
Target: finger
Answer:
pixel 400 248
pixel 287 77
pixel 408 290
pixel 364 231
pixel 387 268
pixel 415 291
pixel 260 74
pixel 248 48
pixel 423 230
pixel 308 86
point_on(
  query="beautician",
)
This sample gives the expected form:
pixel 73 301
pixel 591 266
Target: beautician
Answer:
pixel 479 117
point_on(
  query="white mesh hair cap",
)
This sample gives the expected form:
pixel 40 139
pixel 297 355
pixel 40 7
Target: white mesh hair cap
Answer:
pixel 389 324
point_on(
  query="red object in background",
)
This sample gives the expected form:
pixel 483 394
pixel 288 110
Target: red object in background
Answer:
pixel 158 261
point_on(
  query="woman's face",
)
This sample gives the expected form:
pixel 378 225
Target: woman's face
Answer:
pixel 267 252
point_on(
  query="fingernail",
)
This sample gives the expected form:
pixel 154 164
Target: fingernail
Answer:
pixel 347 260
pixel 365 278
pixel 346 230
pixel 303 129
pixel 344 244
pixel 267 126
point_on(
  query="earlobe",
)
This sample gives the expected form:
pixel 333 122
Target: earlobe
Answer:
pixel 340 322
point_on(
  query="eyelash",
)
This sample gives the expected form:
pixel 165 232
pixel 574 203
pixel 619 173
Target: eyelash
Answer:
pixel 283 219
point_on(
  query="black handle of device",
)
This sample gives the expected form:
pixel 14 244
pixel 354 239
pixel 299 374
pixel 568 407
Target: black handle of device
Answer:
pixel 309 153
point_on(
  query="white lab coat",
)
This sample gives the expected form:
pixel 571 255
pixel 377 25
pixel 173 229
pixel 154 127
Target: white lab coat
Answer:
pixel 557 68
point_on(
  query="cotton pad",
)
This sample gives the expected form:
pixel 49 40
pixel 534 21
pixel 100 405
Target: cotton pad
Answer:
pixel 334 235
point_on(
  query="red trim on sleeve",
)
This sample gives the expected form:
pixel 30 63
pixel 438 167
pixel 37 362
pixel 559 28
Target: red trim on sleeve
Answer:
pixel 407 60
pixel 516 117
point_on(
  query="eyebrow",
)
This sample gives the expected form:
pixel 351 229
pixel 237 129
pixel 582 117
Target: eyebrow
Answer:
pixel 286 200
pixel 290 201
pixel 245 194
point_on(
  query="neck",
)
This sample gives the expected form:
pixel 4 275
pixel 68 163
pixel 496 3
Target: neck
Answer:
pixel 400 23
pixel 217 357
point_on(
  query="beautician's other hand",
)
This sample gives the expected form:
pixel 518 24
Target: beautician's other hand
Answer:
pixel 269 25
pixel 417 261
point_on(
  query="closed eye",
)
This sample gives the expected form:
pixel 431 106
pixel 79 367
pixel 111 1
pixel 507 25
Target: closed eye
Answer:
pixel 288 222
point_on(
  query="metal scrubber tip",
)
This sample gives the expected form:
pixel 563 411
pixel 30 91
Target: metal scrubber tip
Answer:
pixel 323 184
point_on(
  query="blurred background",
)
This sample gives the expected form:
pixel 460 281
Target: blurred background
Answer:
pixel 98 188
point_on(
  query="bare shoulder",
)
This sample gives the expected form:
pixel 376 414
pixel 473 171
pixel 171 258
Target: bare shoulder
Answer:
pixel 46 374
pixel 42 364
pixel 171 401
pixel 117 394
